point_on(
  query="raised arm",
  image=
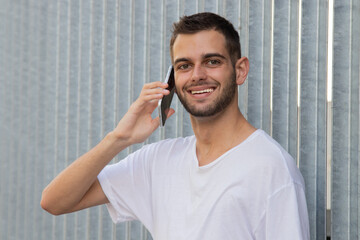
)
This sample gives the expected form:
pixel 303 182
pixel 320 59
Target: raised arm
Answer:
pixel 77 187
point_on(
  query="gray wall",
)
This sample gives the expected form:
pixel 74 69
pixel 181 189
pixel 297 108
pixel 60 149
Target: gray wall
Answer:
pixel 70 69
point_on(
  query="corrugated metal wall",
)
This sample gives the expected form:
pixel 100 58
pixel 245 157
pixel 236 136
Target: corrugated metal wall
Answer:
pixel 70 69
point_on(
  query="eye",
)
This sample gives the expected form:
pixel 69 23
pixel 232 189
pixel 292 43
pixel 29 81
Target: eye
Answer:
pixel 183 66
pixel 213 62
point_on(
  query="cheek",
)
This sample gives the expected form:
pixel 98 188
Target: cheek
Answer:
pixel 180 80
pixel 178 86
pixel 219 73
pixel 223 76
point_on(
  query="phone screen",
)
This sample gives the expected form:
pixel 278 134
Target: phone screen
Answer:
pixel 165 102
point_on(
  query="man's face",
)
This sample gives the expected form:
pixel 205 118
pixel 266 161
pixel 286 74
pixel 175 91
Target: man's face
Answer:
pixel 204 74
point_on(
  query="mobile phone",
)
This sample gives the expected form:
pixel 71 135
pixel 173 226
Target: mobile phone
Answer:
pixel 165 102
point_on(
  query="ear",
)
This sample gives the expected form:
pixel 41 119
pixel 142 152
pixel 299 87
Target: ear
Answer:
pixel 241 70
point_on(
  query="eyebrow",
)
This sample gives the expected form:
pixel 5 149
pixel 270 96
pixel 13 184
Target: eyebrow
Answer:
pixel 180 60
pixel 208 55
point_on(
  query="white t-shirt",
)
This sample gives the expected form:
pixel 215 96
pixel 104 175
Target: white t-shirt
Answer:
pixel 253 191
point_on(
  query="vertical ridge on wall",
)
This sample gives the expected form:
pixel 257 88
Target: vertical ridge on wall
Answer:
pixel 83 96
pixel 61 96
pixel 284 114
pixel 72 83
pixel 109 92
pixel 4 108
pixel 355 121
pixel 259 57
pixel 32 164
pixel 22 114
pixel 96 90
pixel 345 166
pixel 39 83
pixel 4 130
pixel 50 90
pixel 40 42
pixel 312 139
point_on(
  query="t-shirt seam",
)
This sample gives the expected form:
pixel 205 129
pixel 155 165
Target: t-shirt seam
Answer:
pixel 104 183
pixel 280 152
pixel 290 184
pixel 109 192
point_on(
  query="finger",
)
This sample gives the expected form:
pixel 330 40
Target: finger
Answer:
pixel 150 98
pixel 155 91
pixel 148 95
pixel 152 95
pixel 157 84
pixel 145 105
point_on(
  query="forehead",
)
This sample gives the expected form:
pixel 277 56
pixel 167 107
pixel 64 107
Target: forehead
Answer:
pixel 199 44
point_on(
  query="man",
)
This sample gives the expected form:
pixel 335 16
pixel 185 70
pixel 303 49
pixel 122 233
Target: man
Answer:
pixel 229 181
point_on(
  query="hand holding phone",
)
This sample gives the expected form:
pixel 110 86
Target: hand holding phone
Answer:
pixel 165 102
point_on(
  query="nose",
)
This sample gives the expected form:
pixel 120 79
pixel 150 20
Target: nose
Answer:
pixel 199 73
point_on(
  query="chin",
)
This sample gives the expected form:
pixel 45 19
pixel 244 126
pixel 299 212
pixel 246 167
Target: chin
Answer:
pixel 204 112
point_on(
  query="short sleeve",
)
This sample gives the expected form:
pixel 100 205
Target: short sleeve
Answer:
pixel 286 215
pixel 126 184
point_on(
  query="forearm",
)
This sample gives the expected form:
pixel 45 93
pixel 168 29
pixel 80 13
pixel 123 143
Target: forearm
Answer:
pixel 70 186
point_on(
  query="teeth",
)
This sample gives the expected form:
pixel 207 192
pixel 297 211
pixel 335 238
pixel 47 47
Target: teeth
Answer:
pixel 202 91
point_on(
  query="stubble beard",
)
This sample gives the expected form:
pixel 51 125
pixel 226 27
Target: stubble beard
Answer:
pixel 219 104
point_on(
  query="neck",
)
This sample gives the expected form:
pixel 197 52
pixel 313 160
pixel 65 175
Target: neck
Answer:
pixel 217 134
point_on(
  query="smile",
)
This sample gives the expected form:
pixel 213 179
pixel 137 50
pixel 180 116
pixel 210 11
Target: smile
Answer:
pixel 208 90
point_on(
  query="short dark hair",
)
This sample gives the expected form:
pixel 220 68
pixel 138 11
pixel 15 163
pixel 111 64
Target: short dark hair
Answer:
pixel 208 21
